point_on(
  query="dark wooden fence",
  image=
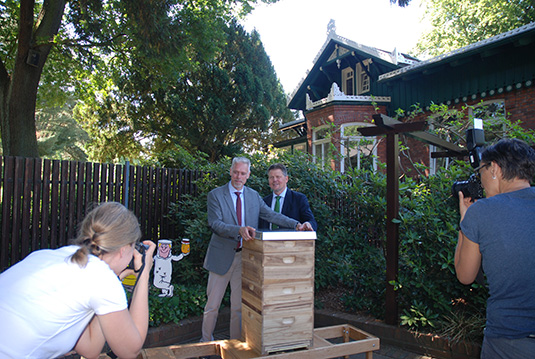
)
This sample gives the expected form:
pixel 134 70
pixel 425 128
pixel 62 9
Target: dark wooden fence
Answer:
pixel 44 200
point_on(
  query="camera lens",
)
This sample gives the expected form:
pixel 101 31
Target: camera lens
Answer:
pixel 470 188
pixel 141 248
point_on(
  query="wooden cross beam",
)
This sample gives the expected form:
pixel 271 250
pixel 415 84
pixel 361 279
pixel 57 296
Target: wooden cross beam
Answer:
pixel 384 129
pixel 391 128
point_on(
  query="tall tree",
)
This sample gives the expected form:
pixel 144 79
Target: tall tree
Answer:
pixel 230 104
pixel 458 23
pixel 59 136
pixel 18 88
pixel 225 105
pixel 143 33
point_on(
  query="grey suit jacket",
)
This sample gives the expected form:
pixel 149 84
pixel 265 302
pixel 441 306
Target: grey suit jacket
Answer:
pixel 224 224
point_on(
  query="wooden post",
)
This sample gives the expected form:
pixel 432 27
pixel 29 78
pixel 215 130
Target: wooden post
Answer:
pixel 392 227
pixel 391 128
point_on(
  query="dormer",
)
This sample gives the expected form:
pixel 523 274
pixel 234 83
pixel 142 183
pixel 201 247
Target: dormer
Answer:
pixel 353 67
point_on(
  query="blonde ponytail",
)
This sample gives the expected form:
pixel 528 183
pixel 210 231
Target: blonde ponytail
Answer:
pixel 105 229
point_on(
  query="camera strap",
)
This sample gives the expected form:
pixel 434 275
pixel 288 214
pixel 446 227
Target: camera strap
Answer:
pixel 139 271
pixel 110 353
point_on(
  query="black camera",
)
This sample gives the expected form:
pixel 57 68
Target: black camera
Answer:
pixel 141 248
pixel 475 139
pixel 470 188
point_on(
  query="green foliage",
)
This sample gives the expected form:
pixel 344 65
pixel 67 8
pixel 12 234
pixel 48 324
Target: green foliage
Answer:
pixel 216 106
pixel 419 317
pixel 84 46
pixel 59 135
pixel 191 218
pixel 458 23
pixel 187 301
pixel 429 218
pixel 350 209
pixel 344 259
pixel 227 105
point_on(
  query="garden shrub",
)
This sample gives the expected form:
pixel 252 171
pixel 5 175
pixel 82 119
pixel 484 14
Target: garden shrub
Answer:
pixel 350 209
pixel 187 301
pixel 427 286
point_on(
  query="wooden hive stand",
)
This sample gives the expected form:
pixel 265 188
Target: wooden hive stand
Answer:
pixel 329 342
pixel 278 309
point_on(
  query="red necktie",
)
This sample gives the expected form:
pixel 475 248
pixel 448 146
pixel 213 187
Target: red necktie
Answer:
pixel 238 214
pixel 238 207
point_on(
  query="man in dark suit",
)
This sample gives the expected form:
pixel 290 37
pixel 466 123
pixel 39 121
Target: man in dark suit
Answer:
pixel 290 203
pixel 233 214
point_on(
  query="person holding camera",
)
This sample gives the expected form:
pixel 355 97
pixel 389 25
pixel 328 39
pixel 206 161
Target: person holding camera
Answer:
pixel 71 299
pixel 499 232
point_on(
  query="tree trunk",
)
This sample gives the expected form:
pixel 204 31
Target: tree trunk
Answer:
pixel 18 92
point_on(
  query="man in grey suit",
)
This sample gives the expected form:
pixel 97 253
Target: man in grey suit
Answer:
pixel 233 213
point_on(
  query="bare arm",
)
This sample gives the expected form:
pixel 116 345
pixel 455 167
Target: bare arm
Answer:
pixel 125 330
pixel 467 259
pixel 467 254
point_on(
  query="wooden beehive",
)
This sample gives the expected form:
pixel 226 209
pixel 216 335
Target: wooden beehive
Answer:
pixel 278 291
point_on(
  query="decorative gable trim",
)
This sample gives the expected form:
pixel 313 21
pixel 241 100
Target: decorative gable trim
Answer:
pixel 336 95
pixel 338 52
pixel 394 57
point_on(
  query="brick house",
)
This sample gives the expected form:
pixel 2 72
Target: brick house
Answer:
pixel 350 82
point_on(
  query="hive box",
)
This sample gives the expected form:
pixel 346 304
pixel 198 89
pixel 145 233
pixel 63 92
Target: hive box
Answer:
pixel 278 291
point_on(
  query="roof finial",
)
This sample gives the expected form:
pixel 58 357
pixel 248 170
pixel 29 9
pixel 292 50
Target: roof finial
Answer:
pixel 331 28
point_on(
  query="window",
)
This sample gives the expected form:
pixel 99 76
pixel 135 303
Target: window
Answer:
pixel 321 141
pixel 363 80
pixel 436 163
pixel 440 162
pixel 357 151
pixel 348 81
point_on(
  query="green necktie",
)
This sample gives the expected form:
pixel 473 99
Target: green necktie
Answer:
pixel 277 209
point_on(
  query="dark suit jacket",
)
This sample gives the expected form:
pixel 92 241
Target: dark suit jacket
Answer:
pixel 223 222
pixel 295 206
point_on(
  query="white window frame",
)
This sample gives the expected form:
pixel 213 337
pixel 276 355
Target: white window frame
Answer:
pixel 363 83
pixel 352 138
pixel 432 148
pixel 324 143
pixel 348 74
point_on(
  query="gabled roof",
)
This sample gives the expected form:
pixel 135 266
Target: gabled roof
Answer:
pixel 484 47
pixel 315 77
pixel 490 67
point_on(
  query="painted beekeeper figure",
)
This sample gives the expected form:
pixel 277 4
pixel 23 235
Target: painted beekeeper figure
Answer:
pixel 163 267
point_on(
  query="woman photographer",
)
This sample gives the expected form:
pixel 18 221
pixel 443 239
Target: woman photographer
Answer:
pixel 499 232
pixel 71 298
